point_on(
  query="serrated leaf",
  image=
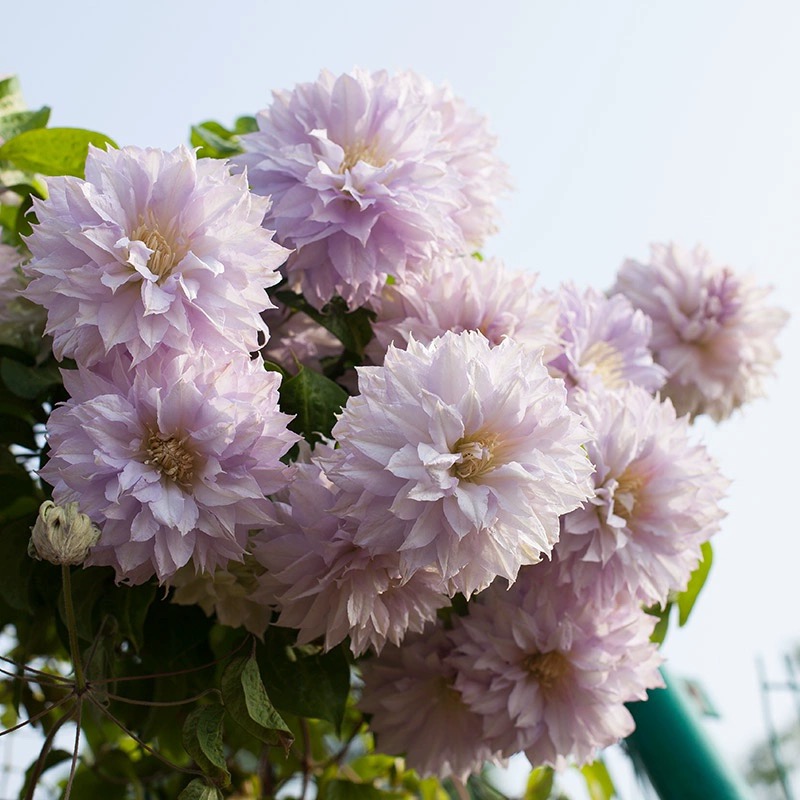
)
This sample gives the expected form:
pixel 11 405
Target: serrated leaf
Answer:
pixel 540 784
pixel 53 151
pixel 314 400
pixel 16 122
pixel 198 789
pixel 688 598
pixel 248 704
pixel 202 738
pixel 312 685
pixel 598 781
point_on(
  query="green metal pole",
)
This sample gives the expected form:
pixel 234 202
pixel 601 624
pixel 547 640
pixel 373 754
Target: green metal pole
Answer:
pixel 669 744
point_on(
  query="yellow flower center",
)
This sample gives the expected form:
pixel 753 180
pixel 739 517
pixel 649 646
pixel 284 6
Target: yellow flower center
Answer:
pixel 166 253
pixel 477 454
pixel 626 495
pixel 360 151
pixel 171 457
pixel 546 668
pixel 606 361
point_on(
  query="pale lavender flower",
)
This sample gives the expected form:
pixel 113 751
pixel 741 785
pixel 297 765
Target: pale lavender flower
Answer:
pixel 605 342
pixel 461 293
pixel 416 710
pixel 472 156
pixel 712 330
pixel 172 460
pixel 235 594
pixel 367 178
pixel 461 456
pixel 327 586
pixel 153 249
pixel 657 499
pixel 548 672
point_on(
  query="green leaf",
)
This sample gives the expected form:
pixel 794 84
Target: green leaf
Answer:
pixel 29 382
pixel 202 738
pixel 214 140
pixel 16 566
pixel 598 781
pixel 17 122
pixel 14 430
pixel 11 95
pixel 249 706
pixel 688 598
pixel 312 685
pixel 53 151
pixel 662 626
pixel 314 400
pixel 540 784
pixel 246 124
pixel 481 789
pixel 339 789
pixel 352 328
pixel 198 789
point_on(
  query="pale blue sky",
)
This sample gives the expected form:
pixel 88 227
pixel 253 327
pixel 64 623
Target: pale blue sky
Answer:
pixel 623 122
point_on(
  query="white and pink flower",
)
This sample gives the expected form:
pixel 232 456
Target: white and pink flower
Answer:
pixel 460 456
pixel 173 460
pixel 712 330
pixel 154 249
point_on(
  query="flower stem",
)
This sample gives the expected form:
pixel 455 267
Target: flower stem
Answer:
pixel 80 682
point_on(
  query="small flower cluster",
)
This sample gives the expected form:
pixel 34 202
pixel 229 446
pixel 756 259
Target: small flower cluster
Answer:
pixel 504 444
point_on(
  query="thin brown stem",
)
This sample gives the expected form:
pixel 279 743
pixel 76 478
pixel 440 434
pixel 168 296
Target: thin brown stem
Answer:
pixel 461 789
pixel 162 703
pixel 37 717
pixel 38 767
pixel 138 741
pixel 342 751
pixel 35 671
pixel 170 674
pixel 74 764
pixel 31 678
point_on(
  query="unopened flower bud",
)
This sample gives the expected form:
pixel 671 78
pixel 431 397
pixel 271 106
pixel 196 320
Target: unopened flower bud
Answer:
pixel 62 535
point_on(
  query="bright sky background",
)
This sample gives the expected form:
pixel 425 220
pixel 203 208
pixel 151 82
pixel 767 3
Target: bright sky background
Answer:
pixel 623 123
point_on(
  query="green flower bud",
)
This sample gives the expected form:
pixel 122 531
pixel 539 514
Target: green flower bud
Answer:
pixel 62 535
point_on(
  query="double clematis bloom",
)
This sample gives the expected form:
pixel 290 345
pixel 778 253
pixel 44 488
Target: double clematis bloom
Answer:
pixel 368 177
pixel 152 250
pixel 419 675
pixel 549 671
pixel 173 460
pixel 712 330
pixel 604 342
pixel 656 500
pixel 325 585
pixel 461 457
pixel 462 293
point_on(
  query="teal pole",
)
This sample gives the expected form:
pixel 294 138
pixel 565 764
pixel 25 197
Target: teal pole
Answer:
pixel 672 749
